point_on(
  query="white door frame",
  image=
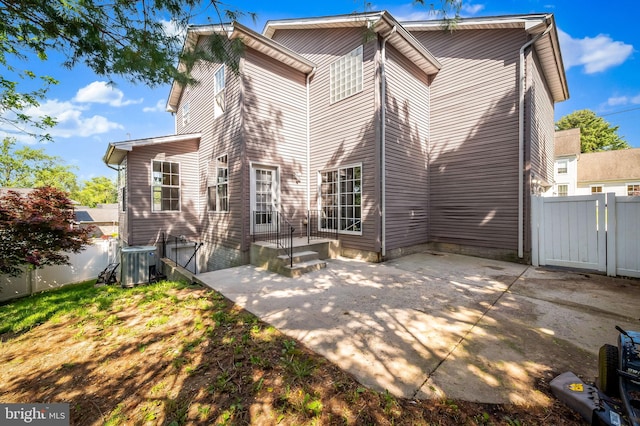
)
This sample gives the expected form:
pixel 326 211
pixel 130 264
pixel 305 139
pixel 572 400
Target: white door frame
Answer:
pixel 275 189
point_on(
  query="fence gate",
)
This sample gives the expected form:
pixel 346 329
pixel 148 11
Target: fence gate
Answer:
pixel 569 231
pixel 599 232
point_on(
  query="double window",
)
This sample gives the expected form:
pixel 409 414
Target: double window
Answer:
pixel 165 178
pixel 341 204
pixel 633 189
pixel 596 189
pixel 219 101
pixel 218 190
pixel 346 75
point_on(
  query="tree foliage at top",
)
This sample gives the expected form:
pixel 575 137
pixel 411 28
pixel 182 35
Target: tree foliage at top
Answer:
pixel 97 190
pixel 37 229
pixel 140 41
pixel 596 134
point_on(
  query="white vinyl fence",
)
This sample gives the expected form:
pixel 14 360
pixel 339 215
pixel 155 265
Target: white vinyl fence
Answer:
pixel 85 265
pixel 599 232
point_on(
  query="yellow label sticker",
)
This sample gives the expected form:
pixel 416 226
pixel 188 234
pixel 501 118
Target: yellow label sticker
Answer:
pixel 576 387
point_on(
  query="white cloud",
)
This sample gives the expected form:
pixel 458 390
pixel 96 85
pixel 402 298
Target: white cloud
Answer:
pixel 158 107
pixel 172 29
pixel 71 120
pixel 469 9
pixel 596 54
pixel 102 93
pixel 623 100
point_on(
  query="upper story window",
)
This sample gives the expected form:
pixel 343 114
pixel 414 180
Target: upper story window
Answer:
pixel 218 190
pixel 562 166
pixel 186 114
pixel 165 178
pixel 633 189
pixel 219 105
pixel 596 189
pixel 346 75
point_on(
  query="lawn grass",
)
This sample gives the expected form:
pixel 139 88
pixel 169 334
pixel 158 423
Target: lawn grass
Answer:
pixel 175 353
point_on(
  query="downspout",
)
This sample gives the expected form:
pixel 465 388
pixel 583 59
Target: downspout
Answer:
pixel 383 110
pixel 521 94
pixel 313 71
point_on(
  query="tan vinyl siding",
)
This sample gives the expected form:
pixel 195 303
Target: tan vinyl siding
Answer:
pixel 145 226
pixel 274 130
pixel 220 136
pixel 540 124
pixel 474 137
pixel 343 133
pixel 407 129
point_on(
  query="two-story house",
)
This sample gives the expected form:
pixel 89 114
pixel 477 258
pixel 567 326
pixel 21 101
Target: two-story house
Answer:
pixel 395 135
pixel 578 173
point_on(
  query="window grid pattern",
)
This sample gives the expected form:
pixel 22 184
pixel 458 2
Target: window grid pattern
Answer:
pixel 562 167
pixel 122 185
pixel 219 92
pixel 633 189
pixel 346 75
pixel 264 196
pixel 596 189
pixel 218 192
pixel 341 192
pixel 166 186
pixel 563 190
pixel 186 114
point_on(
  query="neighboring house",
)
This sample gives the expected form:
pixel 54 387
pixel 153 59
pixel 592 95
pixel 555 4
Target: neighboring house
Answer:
pixel 594 172
pixel 104 217
pixel 397 134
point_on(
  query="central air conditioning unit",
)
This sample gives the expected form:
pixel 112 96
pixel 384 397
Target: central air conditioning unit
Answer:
pixel 135 265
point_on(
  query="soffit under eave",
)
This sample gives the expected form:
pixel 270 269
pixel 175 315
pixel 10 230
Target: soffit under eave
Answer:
pixel 406 44
pixel 116 151
pixel 550 56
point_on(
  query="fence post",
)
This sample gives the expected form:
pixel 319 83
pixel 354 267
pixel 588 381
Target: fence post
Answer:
pixel 535 246
pixel 610 226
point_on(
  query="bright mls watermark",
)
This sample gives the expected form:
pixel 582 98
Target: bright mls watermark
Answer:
pixel 34 414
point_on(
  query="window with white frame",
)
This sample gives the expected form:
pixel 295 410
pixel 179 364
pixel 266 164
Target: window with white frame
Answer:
pixel 633 189
pixel 563 190
pixel 346 75
pixel 122 185
pixel 186 114
pixel 596 189
pixel 219 106
pixel 562 166
pixel 165 178
pixel 341 199
pixel 218 190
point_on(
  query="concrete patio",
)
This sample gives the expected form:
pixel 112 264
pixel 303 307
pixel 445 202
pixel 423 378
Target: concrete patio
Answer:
pixel 443 325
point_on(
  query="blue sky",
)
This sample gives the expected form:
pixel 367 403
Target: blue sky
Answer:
pixel 599 46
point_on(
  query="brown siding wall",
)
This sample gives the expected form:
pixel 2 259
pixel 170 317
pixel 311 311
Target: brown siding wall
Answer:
pixel 274 131
pixel 145 226
pixel 474 137
pixel 343 133
pixel 407 132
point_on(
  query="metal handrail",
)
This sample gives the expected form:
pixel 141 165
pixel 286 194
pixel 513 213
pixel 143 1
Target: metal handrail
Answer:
pixel 322 224
pixel 271 226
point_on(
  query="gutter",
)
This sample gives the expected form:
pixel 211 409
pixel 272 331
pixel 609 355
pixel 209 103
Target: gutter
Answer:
pixel 521 89
pixel 383 110
pixel 313 71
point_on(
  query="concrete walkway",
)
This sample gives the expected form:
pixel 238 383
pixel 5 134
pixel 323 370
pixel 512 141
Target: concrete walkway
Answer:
pixel 434 324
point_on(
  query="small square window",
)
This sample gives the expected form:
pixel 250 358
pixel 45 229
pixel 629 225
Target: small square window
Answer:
pixel 633 189
pixel 562 166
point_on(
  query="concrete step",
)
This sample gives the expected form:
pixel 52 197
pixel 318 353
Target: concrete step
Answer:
pixel 303 267
pixel 300 256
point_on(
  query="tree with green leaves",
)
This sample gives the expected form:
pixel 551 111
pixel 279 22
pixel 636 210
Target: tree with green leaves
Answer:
pixel 596 134
pixel 97 190
pixel 28 167
pixel 37 229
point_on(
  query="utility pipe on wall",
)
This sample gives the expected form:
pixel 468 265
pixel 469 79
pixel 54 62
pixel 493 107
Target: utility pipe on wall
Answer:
pixel 313 71
pixel 521 88
pixel 383 110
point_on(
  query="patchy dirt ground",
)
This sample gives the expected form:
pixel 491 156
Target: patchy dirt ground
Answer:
pixel 177 354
